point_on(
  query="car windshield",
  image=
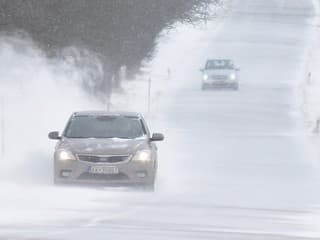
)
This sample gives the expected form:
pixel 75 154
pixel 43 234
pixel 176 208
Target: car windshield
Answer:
pixel 104 127
pixel 219 64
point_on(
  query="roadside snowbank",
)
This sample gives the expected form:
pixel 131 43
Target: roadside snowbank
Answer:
pixel 311 81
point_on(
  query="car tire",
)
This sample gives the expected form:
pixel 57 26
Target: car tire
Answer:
pixel 149 187
pixel 236 87
pixel 204 87
pixel 55 182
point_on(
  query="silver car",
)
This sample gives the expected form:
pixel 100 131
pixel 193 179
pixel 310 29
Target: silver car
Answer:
pixel 220 73
pixel 106 148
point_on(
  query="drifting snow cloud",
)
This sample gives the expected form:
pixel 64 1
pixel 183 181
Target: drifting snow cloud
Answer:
pixel 37 95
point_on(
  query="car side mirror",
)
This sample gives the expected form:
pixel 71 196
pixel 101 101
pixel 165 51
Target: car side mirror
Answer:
pixel 54 135
pixel 157 137
pixel 237 69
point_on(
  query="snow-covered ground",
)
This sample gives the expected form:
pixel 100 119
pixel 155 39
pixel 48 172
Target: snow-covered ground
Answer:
pixel 235 165
pixel 311 81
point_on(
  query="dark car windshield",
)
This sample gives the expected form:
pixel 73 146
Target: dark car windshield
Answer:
pixel 104 127
pixel 219 64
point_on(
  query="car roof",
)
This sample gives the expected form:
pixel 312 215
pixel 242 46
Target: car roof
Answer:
pixel 105 113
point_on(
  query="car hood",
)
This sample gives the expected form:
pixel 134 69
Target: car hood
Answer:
pixel 219 71
pixel 111 146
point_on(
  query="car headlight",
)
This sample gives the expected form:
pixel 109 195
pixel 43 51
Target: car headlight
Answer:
pixel 205 77
pixel 233 76
pixel 143 156
pixel 65 155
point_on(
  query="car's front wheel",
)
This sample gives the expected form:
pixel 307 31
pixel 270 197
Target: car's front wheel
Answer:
pixel 236 87
pixel 149 188
pixel 204 87
pixel 56 182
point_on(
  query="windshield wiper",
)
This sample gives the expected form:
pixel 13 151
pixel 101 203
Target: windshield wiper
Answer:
pixel 107 137
pixel 76 137
pixel 117 137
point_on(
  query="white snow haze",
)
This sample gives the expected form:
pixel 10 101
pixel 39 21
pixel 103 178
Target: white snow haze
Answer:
pixel 38 94
pixel 239 165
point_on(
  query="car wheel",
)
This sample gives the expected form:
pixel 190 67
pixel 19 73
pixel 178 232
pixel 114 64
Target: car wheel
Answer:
pixel 56 182
pixel 203 87
pixel 236 87
pixel 149 187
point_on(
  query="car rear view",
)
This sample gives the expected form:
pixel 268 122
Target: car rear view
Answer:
pixel 106 148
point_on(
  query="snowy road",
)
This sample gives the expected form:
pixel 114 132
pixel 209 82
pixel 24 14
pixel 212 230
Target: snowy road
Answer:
pixel 235 165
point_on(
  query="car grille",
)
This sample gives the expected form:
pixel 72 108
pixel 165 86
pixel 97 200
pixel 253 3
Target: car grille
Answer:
pixel 103 159
pixel 219 77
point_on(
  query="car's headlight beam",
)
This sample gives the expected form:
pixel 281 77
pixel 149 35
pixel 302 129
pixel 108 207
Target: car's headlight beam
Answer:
pixel 65 155
pixel 205 77
pixel 143 156
pixel 233 76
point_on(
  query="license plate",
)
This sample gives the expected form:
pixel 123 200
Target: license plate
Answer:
pixel 103 170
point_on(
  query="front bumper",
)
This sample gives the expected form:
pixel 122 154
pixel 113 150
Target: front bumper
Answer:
pixel 130 173
pixel 220 84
